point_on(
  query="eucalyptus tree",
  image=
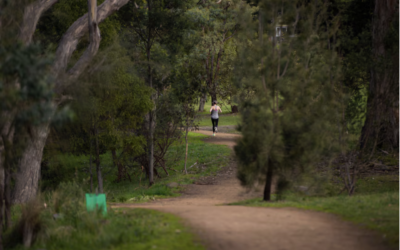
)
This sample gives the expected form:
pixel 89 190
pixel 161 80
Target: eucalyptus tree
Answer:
pixel 155 25
pixel 27 177
pixel 288 121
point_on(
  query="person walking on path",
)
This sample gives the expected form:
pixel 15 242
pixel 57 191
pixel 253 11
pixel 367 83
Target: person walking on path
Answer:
pixel 214 116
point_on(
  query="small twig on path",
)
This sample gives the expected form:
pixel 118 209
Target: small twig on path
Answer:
pixel 192 165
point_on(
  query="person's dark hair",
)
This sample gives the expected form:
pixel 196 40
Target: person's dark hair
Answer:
pixel 214 102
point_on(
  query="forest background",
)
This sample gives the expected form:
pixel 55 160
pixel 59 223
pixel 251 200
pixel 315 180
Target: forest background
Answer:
pixel 105 104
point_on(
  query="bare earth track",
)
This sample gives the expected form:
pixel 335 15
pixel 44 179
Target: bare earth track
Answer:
pixel 222 227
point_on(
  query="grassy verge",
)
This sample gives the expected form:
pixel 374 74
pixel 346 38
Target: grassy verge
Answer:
pixel 126 229
pixel 375 206
pixel 232 119
pixel 211 157
pixel 120 229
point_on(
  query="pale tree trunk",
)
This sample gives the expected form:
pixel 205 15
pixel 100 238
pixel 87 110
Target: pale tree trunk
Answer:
pixel 27 178
pixel 29 169
pixel 202 102
pixel 98 169
pixel 187 144
pixel 381 128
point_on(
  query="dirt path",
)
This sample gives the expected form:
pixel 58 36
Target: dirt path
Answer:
pixel 247 228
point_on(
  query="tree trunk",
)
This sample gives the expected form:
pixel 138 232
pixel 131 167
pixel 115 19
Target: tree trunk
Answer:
pixel 29 167
pixel 2 212
pixel 202 102
pixel 187 144
pixel 98 169
pixel 27 178
pixel 381 128
pixel 90 167
pixel 268 183
pixel 118 165
pixel 152 114
pixel 213 97
pixel 7 199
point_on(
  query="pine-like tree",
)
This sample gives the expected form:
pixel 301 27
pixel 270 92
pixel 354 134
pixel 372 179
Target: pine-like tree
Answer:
pixel 291 74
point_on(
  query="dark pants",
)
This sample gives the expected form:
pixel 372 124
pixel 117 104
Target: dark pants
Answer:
pixel 214 123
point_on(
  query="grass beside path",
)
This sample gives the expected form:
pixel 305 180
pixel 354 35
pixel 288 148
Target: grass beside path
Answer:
pixel 375 206
pixel 121 229
pixel 209 157
pixel 232 119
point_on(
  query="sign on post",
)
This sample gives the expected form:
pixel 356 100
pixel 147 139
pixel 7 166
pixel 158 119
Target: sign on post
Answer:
pixel 96 202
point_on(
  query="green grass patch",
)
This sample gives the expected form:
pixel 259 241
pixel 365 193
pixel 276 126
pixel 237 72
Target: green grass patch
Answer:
pixel 232 119
pixel 374 206
pixel 213 157
pixel 121 229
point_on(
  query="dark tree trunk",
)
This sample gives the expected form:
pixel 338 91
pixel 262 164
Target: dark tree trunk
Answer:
pixel 27 181
pixel 98 169
pixel 1 200
pixel 213 97
pixel 7 199
pixel 90 167
pixel 118 165
pixel 381 128
pixel 202 102
pixel 268 183
pixel 151 117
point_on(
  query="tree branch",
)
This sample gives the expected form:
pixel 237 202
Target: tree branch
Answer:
pixel 32 13
pixel 71 38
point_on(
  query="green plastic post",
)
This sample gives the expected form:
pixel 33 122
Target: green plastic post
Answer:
pixel 94 202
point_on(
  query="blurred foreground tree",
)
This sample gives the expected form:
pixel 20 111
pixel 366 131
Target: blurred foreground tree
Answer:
pixel 290 120
pixel 26 19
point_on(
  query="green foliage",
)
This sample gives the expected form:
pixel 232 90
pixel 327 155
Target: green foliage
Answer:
pixel 289 120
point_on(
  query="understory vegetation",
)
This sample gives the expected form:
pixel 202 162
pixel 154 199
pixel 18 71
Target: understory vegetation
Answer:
pixel 203 159
pixel 64 223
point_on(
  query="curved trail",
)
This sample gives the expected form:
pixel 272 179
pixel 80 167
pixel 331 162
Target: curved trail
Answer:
pixel 247 228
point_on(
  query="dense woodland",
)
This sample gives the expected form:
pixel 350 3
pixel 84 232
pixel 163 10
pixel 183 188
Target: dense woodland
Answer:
pixel 316 84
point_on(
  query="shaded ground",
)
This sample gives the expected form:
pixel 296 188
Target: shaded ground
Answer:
pixel 237 227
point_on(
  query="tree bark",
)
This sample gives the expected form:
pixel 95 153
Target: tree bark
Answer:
pixel 27 178
pixel 71 39
pixel 202 102
pixel 268 183
pixel 32 14
pixel 381 128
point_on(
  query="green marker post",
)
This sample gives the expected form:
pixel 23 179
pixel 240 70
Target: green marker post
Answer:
pixel 95 202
